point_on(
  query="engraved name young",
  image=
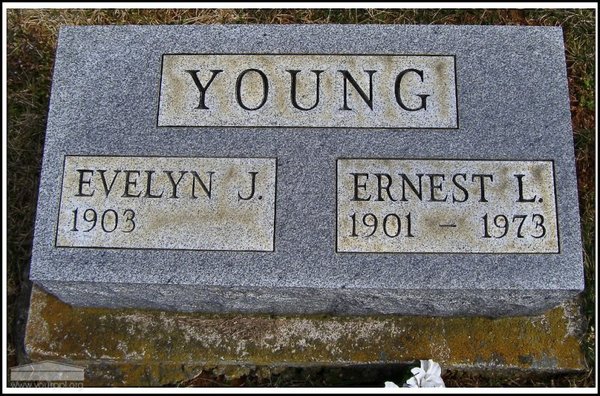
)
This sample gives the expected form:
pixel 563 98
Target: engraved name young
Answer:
pixel 168 203
pixel 359 91
pixel 446 206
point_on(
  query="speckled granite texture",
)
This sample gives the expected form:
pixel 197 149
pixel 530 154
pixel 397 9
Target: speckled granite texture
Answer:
pixel 512 105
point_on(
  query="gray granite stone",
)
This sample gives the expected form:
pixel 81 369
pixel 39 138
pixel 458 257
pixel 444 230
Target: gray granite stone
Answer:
pixel 512 107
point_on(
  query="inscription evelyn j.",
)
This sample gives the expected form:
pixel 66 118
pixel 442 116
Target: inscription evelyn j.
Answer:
pixel 145 183
pixel 168 203
pixel 361 91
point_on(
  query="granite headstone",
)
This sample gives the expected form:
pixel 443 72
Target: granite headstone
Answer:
pixel 418 170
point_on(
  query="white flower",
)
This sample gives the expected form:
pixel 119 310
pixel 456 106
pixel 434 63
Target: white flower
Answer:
pixel 426 376
pixel 390 384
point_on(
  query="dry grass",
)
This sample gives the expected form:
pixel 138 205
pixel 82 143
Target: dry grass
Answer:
pixel 31 42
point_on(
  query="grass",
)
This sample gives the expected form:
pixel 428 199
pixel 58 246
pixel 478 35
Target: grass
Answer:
pixel 31 43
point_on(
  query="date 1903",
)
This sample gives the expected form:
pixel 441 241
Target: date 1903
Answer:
pixel 109 220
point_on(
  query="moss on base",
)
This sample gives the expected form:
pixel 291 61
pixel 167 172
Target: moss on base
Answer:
pixel 147 347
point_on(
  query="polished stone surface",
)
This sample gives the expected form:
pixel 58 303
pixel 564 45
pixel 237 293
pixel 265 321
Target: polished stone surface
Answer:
pixel 308 91
pixel 168 203
pixel 439 206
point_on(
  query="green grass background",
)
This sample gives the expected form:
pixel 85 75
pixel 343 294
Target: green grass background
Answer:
pixel 31 44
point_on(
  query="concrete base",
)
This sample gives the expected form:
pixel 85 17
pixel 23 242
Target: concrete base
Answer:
pixel 129 347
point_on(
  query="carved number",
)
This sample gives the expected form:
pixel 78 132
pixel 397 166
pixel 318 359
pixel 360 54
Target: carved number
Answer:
pixel 500 226
pixel 391 225
pixel 109 220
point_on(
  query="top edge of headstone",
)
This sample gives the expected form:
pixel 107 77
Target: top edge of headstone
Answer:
pixel 316 27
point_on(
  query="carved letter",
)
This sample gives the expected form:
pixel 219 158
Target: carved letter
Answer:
pixel 521 197
pixel 208 190
pixel 201 88
pixel 238 88
pixel 363 186
pixel 348 77
pixel 240 198
pixel 293 73
pixel 82 182
pixel 397 90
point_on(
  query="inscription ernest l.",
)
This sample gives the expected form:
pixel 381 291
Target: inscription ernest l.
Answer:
pixel 446 206
pixel 168 203
pixel 359 91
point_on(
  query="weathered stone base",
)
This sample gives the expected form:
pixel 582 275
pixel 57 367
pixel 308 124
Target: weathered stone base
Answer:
pixel 128 347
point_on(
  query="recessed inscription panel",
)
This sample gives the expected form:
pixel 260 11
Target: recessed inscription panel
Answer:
pixel 356 91
pixel 446 206
pixel 168 203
